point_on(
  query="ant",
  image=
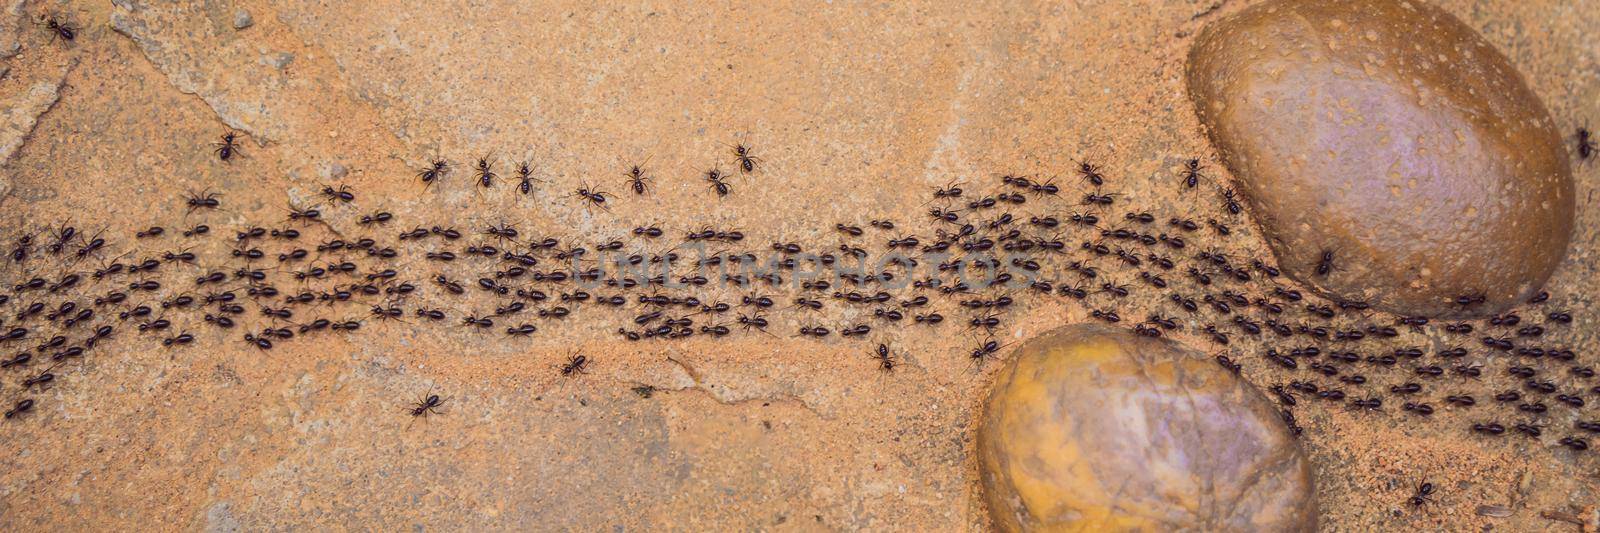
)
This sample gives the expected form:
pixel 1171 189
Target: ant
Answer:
pixel 1586 143
pixel 1230 202
pixel 1091 172
pixel 637 180
pixel 950 190
pixel 91 247
pixel 747 162
pixel 1191 173
pixel 341 194
pixel 261 342
pixel 1098 199
pixel 1422 495
pixel 22 407
pixel 62 238
pixel 502 232
pixel 428 405
pixel 308 214
pixel 180 339
pixel 594 198
pixel 885 358
pixel 229 146
pixel 65 31
pixel 717 184
pixel 1048 188
pixel 758 322
pixel 576 364
pixel 435 170
pixel 817 331
pixel 203 199
pixel 525 174
pixel 1221 229
pixel 486 174
pixel 380 217
pixel 1469 300
pixel 985 350
pixel 1325 265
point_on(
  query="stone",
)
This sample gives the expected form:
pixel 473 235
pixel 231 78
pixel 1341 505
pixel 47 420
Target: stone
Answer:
pixel 280 60
pixel 11 24
pixel 334 171
pixel 20 114
pixel 1391 138
pixel 242 19
pixel 1094 428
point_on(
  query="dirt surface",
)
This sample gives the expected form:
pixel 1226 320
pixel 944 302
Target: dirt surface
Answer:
pixel 857 112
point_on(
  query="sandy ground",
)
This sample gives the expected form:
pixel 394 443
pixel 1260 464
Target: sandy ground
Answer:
pixel 857 112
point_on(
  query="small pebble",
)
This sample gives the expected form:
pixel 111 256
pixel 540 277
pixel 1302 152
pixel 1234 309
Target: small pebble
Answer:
pixel 242 19
pixel 334 171
pixel 280 60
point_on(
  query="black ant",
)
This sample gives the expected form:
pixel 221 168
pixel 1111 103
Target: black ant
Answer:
pixel 594 198
pixel 502 232
pixel 576 364
pixel 950 190
pixel 1586 143
pixel 91 247
pixel 817 331
pixel 229 146
pixel 21 407
pixel 985 350
pixel 380 217
pixel 717 184
pixel 341 194
pixel 1469 300
pixel 203 199
pixel 1088 219
pixel 307 214
pixel 758 322
pixel 885 358
pixel 1422 495
pixel 1325 265
pixel 1191 173
pixel 428 405
pixel 1048 188
pixel 1221 229
pixel 525 174
pixel 65 31
pixel 435 170
pixel 637 180
pixel 1230 202
pixel 747 162
pixel 486 174
pixel 181 339
pixel 1091 173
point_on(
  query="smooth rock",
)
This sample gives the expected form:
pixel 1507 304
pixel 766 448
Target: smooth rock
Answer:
pixel 1094 428
pixel 1394 138
pixel 242 19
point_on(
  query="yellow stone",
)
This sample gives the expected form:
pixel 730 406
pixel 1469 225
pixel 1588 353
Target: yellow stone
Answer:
pixel 1094 428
